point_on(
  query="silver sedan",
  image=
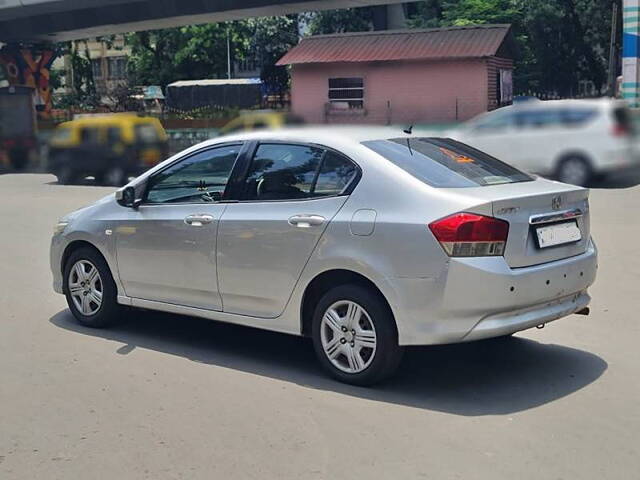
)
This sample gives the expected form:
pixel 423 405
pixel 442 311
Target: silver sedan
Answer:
pixel 364 240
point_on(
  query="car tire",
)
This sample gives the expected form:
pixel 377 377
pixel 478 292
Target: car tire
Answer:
pixel 66 175
pixel 90 290
pixel 575 170
pixel 354 335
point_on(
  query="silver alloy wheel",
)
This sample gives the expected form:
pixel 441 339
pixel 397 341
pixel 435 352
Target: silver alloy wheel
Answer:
pixel 85 287
pixel 574 171
pixel 348 336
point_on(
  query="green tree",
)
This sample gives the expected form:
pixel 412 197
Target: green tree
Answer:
pixel 339 21
pixel 82 88
pixel 159 57
pixel 162 56
pixel 558 42
pixel 271 38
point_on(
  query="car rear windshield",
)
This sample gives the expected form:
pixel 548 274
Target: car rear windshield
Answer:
pixel 442 162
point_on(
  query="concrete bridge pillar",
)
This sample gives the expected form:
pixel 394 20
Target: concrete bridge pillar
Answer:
pixel 29 66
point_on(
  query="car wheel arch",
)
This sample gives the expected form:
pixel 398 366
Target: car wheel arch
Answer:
pixel 325 281
pixel 77 245
pixel 573 154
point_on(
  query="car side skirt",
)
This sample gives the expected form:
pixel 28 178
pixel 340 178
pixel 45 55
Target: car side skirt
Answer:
pixel 275 325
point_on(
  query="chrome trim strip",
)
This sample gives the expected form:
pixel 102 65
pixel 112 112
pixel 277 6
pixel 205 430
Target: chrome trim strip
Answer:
pixel 555 216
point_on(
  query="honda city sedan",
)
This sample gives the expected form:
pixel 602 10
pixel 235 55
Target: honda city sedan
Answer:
pixel 366 240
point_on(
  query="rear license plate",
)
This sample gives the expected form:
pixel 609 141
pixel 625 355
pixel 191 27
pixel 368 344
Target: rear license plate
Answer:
pixel 558 234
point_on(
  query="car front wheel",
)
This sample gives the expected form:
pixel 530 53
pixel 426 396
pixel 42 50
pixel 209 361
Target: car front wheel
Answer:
pixel 90 290
pixel 354 335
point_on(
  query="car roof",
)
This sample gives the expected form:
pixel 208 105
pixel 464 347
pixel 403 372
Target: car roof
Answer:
pixel 342 138
pixel 330 136
pixel 571 102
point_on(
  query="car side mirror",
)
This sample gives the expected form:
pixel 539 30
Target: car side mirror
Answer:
pixel 127 197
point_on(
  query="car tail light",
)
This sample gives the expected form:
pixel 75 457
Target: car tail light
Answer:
pixel 620 130
pixel 471 235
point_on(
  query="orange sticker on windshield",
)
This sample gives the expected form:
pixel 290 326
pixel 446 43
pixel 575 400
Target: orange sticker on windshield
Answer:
pixel 455 156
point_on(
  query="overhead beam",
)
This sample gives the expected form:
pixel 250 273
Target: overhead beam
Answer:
pixel 63 20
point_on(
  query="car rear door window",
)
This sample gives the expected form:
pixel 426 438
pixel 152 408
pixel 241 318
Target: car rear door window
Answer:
pixel 578 116
pixel 442 162
pixel 336 173
pixel 290 172
pixel 539 118
pixel 282 172
pixel 200 178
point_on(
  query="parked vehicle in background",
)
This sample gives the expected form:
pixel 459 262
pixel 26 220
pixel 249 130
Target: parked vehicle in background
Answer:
pixel 364 240
pixel 574 141
pixel 257 119
pixel 18 142
pixel 188 95
pixel 111 148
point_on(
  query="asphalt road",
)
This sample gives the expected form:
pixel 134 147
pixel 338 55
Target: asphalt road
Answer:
pixel 164 396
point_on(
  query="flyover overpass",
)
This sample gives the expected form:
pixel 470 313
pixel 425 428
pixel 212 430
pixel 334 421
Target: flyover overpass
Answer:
pixel 62 20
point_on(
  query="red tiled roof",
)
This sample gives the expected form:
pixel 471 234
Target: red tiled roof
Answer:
pixel 438 43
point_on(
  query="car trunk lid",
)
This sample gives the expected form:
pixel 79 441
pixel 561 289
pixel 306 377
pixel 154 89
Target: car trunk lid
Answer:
pixel 529 206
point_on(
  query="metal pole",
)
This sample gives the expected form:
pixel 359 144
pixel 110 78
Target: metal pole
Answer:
pixel 612 51
pixel 631 51
pixel 228 54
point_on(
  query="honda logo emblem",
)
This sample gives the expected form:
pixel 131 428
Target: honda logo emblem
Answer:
pixel 556 202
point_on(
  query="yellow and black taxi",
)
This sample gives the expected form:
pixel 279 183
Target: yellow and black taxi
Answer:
pixel 111 148
pixel 260 119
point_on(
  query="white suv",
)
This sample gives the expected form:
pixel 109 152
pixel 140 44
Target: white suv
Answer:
pixel 571 140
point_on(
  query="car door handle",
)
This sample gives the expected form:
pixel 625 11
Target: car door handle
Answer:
pixel 306 221
pixel 198 219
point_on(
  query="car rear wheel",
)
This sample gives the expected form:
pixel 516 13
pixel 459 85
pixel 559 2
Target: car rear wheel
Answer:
pixel 66 175
pixel 354 335
pixel 574 170
pixel 90 290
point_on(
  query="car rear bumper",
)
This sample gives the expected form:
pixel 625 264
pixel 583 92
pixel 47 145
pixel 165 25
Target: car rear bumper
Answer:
pixel 477 298
pixel 509 322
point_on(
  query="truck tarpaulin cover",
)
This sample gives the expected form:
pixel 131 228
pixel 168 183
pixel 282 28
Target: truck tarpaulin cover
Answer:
pixel 17 113
pixel 192 94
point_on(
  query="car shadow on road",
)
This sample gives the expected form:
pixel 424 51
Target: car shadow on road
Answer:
pixel 615 180
pixel 490 377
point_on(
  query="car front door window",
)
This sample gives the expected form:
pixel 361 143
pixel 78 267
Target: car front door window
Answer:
pixel 494 123
pixel 200 178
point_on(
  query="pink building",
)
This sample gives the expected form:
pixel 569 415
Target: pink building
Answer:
pixel 401 76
